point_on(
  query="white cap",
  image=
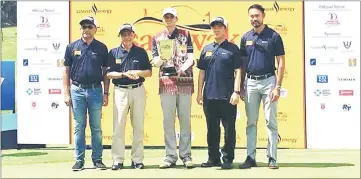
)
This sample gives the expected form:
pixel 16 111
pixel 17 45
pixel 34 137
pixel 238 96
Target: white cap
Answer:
pixel 89 19
pixel 170 10
pixel 126 26
pixel 220 20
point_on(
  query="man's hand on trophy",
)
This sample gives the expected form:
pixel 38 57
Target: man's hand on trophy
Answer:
pixel 181 72
pixel 157 61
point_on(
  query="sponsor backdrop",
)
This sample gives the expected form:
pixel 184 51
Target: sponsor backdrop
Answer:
pixel 332 74
pixel 43 33
pixel 284 17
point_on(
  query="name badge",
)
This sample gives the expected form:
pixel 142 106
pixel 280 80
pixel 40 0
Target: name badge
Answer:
pixel 118 61
pixel 208 54
pixel 249 42
pixel 77 52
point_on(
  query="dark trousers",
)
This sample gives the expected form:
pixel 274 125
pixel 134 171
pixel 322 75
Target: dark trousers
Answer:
pixel 216 111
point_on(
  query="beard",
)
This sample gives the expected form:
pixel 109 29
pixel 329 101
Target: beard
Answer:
pixel 256 24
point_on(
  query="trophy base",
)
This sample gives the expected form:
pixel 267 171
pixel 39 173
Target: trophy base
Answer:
pixel 169 71
pixel 170 74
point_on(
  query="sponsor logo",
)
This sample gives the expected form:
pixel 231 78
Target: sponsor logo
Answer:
pixel 56 46
pixel 347 44
pixel 323 106
pixel 277 8
pixel 324 92
pixel 352 62
pixel 332 34
pixel 312 61
pixel 341 79
pixel 346 107
pixel 332 20
pixel 33 78
pixel 55 105
pixel 54 79
pixel 54 91
pixel 94 9
pixel 324 47
pixel 282 116
pixel 328 7
pixel 39 63
pixel 40 36
pixel 345 92
pixel 279 28
pixel 43 10
pixel 44 23
pixel 60 63
pixel 33 105
pixel 322 78
pixel 34 91
pixel 36 48
pixel 25 62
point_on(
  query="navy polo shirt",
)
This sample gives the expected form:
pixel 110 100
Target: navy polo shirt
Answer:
pixel 219 62
pixel 86 61
pixel 260 51
pixel 123 61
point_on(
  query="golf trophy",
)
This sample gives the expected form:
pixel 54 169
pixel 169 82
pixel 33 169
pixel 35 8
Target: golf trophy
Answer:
pixel 167 53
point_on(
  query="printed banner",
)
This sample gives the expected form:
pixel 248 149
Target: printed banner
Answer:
pixel 284 17
pixel 332 51
pixel 42 35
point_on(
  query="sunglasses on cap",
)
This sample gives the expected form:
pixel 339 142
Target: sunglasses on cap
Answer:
pixel 87 26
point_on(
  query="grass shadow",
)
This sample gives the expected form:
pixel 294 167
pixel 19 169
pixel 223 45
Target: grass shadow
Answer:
pixel 306 165
pixel 25 154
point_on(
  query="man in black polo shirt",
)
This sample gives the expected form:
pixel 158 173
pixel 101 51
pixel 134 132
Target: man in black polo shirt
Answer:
pixel 220 73
pixel 259 47
pixel 84 59
pixel 129 66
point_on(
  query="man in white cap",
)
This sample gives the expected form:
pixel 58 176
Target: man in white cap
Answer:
pixel 220 74
pixel 175 91
pixel 85 61
pixel 129 66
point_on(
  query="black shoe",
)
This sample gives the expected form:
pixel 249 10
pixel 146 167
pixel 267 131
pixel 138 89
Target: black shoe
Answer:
pixel 250 162
pixel 137 165
pixel 99 165
pixel 227 165
pixel 210 163
pixel 78 166
pixel 117 166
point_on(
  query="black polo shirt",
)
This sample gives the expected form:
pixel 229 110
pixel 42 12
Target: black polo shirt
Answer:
pixel 219 63
pixel 260 51
pixel 123 61
pixel 86 61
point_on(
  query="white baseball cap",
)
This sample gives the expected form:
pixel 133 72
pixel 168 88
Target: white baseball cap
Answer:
pixel 220 20
pixel 126 26
pixel 88 19
pixel 170 10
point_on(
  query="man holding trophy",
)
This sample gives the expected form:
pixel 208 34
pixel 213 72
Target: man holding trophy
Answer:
pixel 173 54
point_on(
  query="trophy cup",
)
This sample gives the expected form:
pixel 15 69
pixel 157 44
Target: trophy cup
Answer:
pixel 167 53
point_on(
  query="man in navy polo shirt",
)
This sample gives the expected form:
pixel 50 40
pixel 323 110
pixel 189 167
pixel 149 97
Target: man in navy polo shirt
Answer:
pixel 220 74
pixel 129 66
pixel 85 60
pixel 259 47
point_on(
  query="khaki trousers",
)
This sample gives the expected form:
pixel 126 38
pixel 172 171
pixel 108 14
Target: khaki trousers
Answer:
pixel 133 101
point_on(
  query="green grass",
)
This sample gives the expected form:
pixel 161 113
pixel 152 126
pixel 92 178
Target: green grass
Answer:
pixel 8 45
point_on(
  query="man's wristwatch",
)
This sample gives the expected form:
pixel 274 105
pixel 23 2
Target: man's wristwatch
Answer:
pixel 278 87
pixel 237 92
pixel 106 93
